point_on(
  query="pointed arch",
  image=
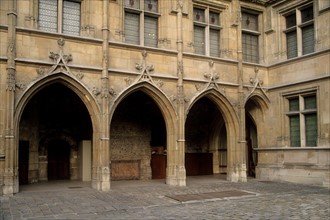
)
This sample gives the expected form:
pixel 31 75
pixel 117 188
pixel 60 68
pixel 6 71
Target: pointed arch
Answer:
pixel 165 105
pixel 65 79
pixel 169 115
pixel 76 87
pixel 260 99
pixel 231 122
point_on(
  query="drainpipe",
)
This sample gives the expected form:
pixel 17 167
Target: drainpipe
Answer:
pixel 11 171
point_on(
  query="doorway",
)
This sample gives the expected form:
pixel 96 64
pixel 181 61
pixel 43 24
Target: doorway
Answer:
pixel 58 160
pixel 23 162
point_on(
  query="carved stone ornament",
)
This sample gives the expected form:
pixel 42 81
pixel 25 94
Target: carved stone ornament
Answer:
pixel 96 91
pixel 257 83
pixel 61 61
pixel 146 71
pixel 212 76
pixel 11 72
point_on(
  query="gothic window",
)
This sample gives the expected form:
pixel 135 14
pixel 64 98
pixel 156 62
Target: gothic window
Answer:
pixel 141 22
pixel 303 120
pixel 206 32
pixel 62 16
pixel 300 32
pixel 250 37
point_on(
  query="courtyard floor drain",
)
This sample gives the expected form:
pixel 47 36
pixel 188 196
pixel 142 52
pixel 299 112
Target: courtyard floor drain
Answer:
pixel 74 187
pixel 210 195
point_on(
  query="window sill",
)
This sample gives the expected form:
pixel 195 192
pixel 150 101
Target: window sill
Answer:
pixel 291 148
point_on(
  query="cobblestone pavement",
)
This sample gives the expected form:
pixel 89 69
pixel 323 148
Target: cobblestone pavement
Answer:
pixel 151 200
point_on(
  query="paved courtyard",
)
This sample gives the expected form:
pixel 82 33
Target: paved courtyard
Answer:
pixel 204 197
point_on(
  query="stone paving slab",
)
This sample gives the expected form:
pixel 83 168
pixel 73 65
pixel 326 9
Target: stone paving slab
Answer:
pixel 149 200
pixel 210 195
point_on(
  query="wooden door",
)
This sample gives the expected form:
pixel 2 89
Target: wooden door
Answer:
pixel 158 166
pixel 58 160
pixel 23 166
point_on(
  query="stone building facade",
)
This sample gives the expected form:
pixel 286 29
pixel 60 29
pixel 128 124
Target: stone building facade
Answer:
pixel 105 90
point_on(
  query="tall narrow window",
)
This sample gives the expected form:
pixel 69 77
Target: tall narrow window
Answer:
pixel 48 15
pixel 250 37
pixel 206 32
pixel 214 25
pixel 303 120
pixel 132 28
pixel 141 22
pixel 71 17
pixel 64 19
pixel 300 32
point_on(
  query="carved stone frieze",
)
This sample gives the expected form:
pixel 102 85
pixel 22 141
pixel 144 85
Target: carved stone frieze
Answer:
pixel 11 72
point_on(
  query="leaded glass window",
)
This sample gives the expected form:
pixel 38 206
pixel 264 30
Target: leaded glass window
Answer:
pixel 308 39
pixel 250 48
pixel 65 19
pixel 291 44
pixel 150 31
pixel 299 32
pixel 199 40
pixel 141 22
pixel 132 28
pixel 206 32
pixel 214 43
pixel 250 37
pixel 303 120
pixel 71 17
pixel 48 15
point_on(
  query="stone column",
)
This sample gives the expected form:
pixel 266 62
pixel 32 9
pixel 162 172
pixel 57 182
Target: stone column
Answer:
pixel 176 172
pixel 102 180
pixel 241 151
pixel 11 163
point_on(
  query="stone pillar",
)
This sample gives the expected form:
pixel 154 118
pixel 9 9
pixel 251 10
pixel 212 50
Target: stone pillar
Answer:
pixel 241 151
pixel 101 157
pixel 10 142
pixel 176 172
